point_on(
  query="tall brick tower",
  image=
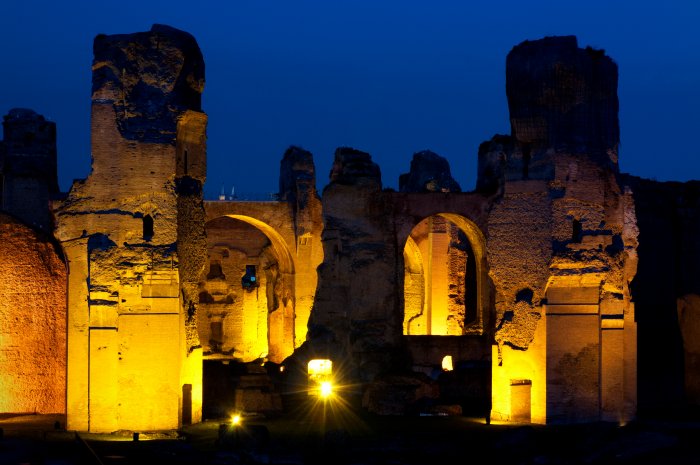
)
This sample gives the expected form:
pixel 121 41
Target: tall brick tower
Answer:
pixel 132 233
pixel 562 241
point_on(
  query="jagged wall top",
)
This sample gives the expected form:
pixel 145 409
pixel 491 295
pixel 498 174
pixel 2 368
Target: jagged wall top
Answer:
pixel 429 173
pixel 563 97
pixel 296 166
pixel 353 167
pixel 148 99
pixel 28 133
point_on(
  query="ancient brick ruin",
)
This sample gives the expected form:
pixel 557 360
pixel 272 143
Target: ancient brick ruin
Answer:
pixel 32 320
pixel 133 235
pixel 541 296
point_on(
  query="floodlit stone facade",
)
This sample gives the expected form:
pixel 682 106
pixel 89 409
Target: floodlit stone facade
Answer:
pixel 534 298
pixel 32 320
pixel 133 235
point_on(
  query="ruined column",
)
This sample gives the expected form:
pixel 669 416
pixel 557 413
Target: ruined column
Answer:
pixel 356 319
pixel 563 97
pixel 28 167
pixel 134 229
pixel 297 185
pixel 429 173
pixel 562 240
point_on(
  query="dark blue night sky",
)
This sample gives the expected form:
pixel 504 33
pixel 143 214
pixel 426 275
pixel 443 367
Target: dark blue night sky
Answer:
pixel 387 77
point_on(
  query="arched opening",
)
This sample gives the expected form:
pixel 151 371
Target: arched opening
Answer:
pixel 247 292
pixel 443 286
pixel 576 231
pixel 147 228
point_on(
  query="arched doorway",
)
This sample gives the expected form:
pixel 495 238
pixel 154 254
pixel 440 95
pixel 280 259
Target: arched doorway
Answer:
pixel 444 277
pixel 447 307
pixel 246 292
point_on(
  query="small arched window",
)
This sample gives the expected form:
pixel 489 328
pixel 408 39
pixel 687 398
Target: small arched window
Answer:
pixel 249 280
pixel 147 228
pixel 576 231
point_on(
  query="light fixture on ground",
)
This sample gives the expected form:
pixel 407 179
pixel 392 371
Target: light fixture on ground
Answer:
pixel 320 373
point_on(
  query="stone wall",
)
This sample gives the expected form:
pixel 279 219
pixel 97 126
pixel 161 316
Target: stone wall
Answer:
pixel 384 269
pixel 282 240
pixel 666 292
pixel 538 279
pixel 562 239
pixel 563 97
pixel 356 320
pixel 28 172
pixel 32 320
pixel 133 232
pixel 233 319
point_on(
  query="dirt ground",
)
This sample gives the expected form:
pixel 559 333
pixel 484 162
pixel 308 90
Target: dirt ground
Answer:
pixel 338 436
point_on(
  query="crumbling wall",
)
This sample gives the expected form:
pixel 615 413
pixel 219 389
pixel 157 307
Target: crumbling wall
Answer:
pixel 28 167
pixel 460 288
pixel 563 97
pixel 32 321
pixel 133 233
pixel 234 319
pixel 429 173
pixel 356 319
pixel 298 187
pixel 666 291
pixel 562 238
pixel 191 236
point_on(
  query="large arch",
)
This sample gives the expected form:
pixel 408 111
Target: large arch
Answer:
pixel 281 249
pixel 437 266
pixel 247 294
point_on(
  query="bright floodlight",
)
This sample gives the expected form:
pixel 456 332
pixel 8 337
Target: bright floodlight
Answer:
pixel 320 375
pixel 447 363
pixel 326 389
pixel 236 420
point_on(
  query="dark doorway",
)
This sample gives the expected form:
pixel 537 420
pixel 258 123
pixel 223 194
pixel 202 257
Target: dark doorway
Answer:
pixel 186 404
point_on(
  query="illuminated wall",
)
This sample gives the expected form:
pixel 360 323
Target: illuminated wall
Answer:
pixel 267 320
pixel 133 234
pixel 244 317
pixel 530 274
pixel 566 328
pixel 440 279
pixel 562 241
pixel 32 321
